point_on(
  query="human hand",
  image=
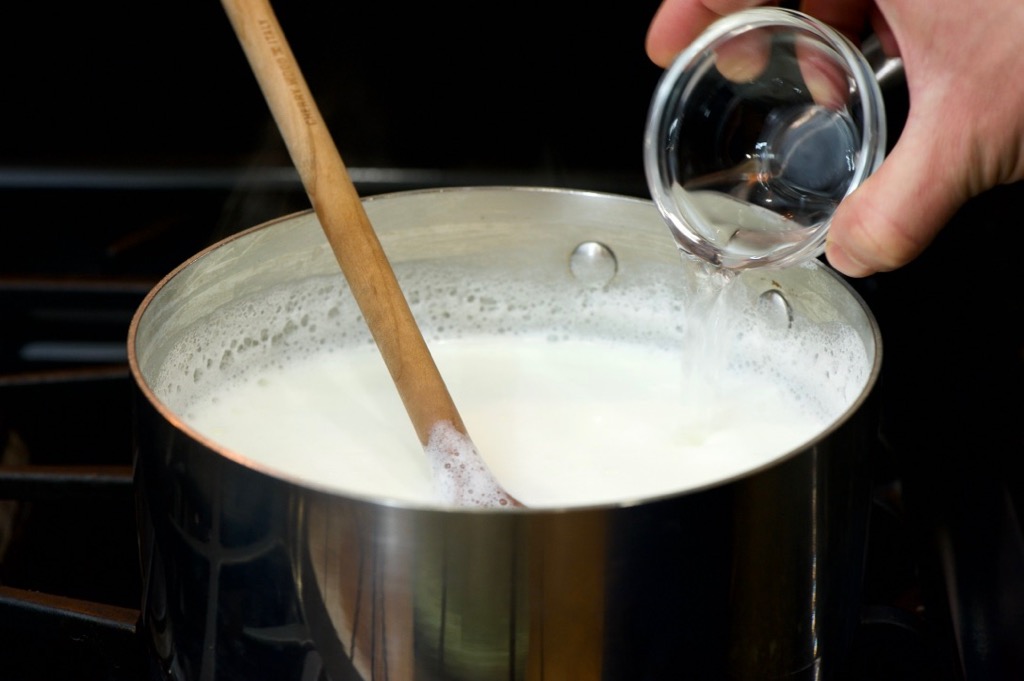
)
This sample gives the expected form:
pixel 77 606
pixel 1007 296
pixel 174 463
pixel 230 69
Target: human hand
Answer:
pixel 965 128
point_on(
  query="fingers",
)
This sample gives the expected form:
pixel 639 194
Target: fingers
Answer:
pixel 743 57
pixel 678 22
pixel 825 79
pixel 849 17
pixel 882 29
pixel 854 18
pixel 898 211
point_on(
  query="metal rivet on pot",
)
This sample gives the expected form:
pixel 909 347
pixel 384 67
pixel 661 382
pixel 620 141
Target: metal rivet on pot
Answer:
pixel 776 307
pixel 593 263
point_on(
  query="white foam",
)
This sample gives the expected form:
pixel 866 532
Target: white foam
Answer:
pixel 574 397
pixel 459 473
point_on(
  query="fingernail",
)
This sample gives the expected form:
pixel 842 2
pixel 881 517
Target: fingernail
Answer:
pixel 824 83
pixel 743 58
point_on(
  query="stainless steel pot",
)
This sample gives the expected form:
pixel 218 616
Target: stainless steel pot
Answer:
pixel 250 574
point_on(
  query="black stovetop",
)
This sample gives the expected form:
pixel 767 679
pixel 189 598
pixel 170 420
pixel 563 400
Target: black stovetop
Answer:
pixel 130 150
pixel 944 579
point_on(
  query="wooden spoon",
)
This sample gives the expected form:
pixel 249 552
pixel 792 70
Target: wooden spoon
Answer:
pixel 460 472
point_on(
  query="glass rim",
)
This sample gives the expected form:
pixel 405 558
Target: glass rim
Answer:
pixel 683 220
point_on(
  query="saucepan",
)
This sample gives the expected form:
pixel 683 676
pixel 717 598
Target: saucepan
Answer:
pixel 251 571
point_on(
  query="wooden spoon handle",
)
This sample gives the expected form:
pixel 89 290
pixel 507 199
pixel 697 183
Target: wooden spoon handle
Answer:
pixel 343 217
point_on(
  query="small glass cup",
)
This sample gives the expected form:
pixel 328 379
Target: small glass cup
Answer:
pixel 756 132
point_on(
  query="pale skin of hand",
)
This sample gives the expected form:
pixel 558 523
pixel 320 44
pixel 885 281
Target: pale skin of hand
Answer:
pixel 964 133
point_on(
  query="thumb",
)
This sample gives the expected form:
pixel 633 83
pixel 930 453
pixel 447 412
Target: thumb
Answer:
pixel 900 209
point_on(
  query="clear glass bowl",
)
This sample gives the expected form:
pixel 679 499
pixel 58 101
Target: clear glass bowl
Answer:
pixel 756 132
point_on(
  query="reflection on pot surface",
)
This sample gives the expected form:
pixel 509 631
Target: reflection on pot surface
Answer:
pixel 742 565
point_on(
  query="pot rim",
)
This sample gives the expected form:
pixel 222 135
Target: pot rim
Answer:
pixel 142 385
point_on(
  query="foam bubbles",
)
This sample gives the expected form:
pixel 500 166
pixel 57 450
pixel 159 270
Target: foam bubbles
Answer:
pixel 697 389
pixel 459 473
pixel 289 323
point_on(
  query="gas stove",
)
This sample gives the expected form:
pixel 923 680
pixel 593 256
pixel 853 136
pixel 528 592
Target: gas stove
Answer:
pixel 944 565
pixel 101 203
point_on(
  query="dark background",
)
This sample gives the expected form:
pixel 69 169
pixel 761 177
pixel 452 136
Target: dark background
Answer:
pixel 126 105
pixel 555 85
pixel 447 84
pixel 133 134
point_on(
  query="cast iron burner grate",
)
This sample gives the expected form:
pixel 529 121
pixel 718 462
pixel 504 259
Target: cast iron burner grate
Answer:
pixel 70 585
